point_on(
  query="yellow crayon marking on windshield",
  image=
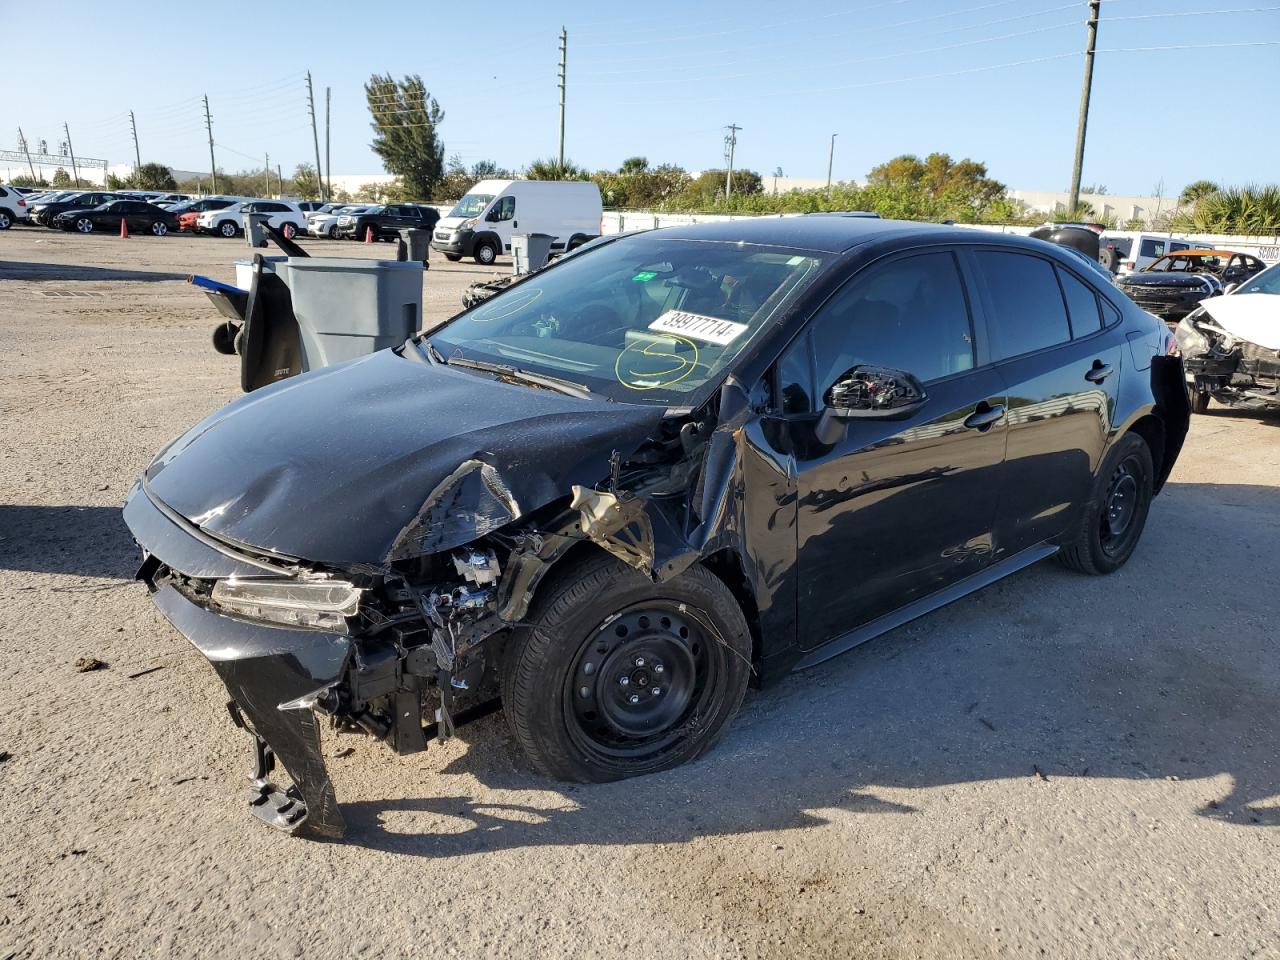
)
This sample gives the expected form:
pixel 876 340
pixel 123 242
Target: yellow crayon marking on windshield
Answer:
pixel 642 361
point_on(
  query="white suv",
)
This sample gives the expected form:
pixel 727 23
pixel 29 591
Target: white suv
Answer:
pixel 12 207
pixel 284 215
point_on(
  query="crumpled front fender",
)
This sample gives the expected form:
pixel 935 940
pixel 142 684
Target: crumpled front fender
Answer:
pixel 265 667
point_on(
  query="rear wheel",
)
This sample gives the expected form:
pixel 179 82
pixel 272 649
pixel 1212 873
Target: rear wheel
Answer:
pixel 288 231
pixel 1113 518
pixel 486 253
pixel 1199 401
pixel 159 228
pixel 617 676
pixel 6 221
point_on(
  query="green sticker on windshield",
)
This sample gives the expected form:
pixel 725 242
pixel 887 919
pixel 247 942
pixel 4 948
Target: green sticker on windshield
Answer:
pixel 644 276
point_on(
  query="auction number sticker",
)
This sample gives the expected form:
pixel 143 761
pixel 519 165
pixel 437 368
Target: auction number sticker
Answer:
pixel 698 327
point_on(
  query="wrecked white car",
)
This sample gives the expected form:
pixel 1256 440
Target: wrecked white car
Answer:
pixel 1231 346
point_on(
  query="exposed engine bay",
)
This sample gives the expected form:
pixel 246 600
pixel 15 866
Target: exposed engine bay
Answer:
pixel 1231 349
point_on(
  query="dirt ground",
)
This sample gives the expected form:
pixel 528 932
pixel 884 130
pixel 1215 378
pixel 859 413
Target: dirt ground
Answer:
pixel 1058 766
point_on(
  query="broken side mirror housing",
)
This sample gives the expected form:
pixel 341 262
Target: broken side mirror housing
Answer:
pixel 868 393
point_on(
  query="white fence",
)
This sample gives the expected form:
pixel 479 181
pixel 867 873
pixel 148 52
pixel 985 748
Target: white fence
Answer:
pixel 1266 248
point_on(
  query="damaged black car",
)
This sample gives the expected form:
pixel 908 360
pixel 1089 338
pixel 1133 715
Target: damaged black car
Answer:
pixel 612 496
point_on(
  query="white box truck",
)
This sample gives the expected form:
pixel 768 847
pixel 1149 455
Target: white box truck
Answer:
pixel 482 223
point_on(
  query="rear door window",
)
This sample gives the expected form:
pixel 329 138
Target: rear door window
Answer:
pixel 1153 248
pixel 1028 312
pixel 1082 305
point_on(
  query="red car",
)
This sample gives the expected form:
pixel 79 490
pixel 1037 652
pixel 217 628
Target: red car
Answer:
pixel 188 212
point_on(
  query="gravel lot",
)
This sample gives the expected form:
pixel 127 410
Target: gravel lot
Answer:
pixel 1058 766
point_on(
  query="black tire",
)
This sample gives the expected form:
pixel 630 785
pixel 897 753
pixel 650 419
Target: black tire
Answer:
pixel 224 338
pixel 453 257
pixel 1113 518
pixel 1199 401
pixel 486 253
pixel 228 229
pixel 159 228
pixel 6 221
pixel 1107 257
pixel 84 225
pixel 563 688
pixel 333 231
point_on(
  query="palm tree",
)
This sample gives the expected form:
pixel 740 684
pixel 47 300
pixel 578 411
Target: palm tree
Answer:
pixel 1193 193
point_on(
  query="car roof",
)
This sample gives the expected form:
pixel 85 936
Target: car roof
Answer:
pixel 830 234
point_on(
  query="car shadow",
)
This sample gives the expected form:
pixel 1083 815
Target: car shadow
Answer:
pixel 76 541
pixel 1045 676
pixel 27 270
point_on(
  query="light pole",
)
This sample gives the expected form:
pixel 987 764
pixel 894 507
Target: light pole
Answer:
pixel 831 155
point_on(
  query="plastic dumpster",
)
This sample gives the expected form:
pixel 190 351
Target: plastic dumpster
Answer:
pixel 244 270
pixel 348 307
pixel 530 252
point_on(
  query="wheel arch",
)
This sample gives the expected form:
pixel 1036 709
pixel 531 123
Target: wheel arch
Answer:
pixel 1152 430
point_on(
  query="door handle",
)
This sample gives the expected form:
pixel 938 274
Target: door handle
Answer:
pixel 1098 372
pixel 515 223
pixel 984 416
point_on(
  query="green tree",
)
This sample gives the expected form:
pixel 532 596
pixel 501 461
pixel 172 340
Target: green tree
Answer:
pixel 1196 191
pixel 940 177
pixel 634 165
pixel 153 176
pixel 26 180
pixel 305 182
pixel 61 178
pixel 405 118
pixel 550 169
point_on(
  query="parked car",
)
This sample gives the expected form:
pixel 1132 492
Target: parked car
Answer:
pixel 284 215
pixel 386 220
pixel 614 492
pixel 481 224
pixel 188 213
pixel 1232 346
pixel 139 216
pixel 326 224
pixel 311 206
pixel 322 209
pixel 1174 285
pixel 13 207
pixel 76 200
pixel 171 199
pixel 1128 252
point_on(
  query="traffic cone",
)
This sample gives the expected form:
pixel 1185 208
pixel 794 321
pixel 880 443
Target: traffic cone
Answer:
pixel 124 230
pixel 368 234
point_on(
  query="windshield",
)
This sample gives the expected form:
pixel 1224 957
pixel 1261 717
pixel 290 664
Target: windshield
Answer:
pixel 472 205
pixel 642 320
pixel 1176 263
pixel 1268 281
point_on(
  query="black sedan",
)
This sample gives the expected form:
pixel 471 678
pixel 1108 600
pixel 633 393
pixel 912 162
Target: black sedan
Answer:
pixel 44 213
pixel 138 216
pixel 612 495
pixel 1174 285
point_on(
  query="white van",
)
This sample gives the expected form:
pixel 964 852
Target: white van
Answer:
pixel 481 224
pixel 1134 252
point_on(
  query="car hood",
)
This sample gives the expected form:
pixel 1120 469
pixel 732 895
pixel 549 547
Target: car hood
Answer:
pixel 1194 281
pixel 337 466
pixel 451 223
pixel 1254 317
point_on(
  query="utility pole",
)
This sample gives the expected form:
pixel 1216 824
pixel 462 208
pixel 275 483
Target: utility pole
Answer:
pixel 328 167
pixel 208 125
pixel 137 156
pixel 730 141
pixel 1083 121
pixel 315 137
pixel 831 155
pixel 266 172
pixel 30 166
pixel 71 151
pixel 564 53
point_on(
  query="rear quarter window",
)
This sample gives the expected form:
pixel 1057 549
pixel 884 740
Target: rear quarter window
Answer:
pixel 1082 305
pixel 1153 248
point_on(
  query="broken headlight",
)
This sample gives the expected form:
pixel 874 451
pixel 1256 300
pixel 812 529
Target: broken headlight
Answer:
pixel 313 604
pixel 1191 342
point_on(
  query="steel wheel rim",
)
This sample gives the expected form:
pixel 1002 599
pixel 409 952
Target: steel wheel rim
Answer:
pixel 641 681
pixel 1120 505
pixel 84 226
pixel 487 255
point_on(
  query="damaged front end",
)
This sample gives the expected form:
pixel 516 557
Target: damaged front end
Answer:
pixel 1224 365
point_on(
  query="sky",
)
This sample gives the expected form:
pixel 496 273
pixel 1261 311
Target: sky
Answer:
pixel 994 80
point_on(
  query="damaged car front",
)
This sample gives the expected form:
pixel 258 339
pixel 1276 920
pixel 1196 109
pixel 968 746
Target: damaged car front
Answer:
pixel 359 545
pixel 1231 347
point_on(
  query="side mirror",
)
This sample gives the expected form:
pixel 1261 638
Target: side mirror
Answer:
pixel 492 215
pixel 1228 288
pixel 868 393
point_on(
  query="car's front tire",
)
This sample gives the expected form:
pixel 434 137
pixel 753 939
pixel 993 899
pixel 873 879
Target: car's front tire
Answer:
pixel 228 229
pixel 1199 401
pixel 616 676
pixel 84 225
pixel 1112 520
pixel 486 253
pixel 453 257
pixel 333 231
pixel 288 231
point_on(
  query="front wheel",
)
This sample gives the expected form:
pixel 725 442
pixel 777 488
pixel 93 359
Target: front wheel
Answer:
pixel 485 253
pixel 1112 520
pixel 453 257
pixel 333 231
pixel 228 228
pixel 616 676
pixel 288 231
pixel 1199 401
pixel 159 228
pixel 84 225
